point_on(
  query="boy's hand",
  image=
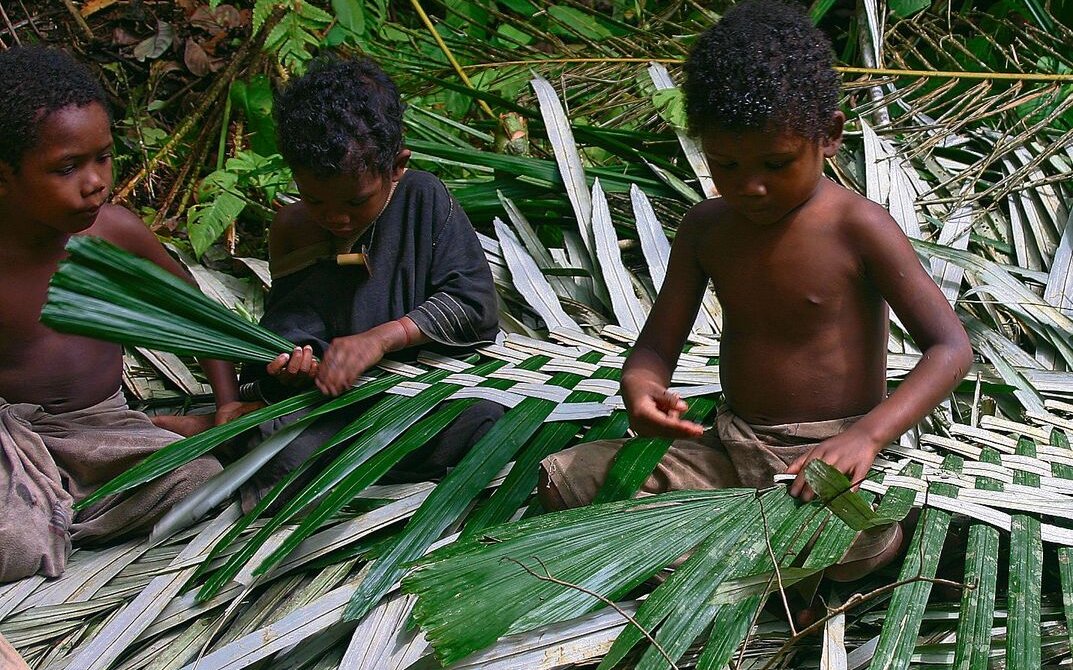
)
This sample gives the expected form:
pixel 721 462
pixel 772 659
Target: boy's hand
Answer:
pixel 848 453
pixel 347 358
pixel 657 412
pixel 296 369
pixel 229 411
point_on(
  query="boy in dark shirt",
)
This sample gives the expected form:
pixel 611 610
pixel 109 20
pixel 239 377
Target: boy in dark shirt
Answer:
pixel 375 258
pixel 65 428
pixel 804 271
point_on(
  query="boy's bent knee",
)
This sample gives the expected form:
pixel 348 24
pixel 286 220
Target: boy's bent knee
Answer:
pixel 25 552
pixel 190 477
pixel 548 494
pixel 855 568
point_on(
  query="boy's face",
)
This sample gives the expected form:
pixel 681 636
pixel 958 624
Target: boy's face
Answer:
pixel 66 177
pixel 347 204
pixel 765 175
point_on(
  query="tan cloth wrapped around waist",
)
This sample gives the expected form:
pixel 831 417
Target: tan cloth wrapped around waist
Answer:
pixel 732 454
pixel 48 462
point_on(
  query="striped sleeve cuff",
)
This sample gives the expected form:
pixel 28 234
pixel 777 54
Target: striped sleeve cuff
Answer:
pixel 443 319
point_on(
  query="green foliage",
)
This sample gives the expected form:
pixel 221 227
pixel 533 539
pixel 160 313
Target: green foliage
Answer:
pixel 254 98
pixel 670 103
pixel 291 39
pixel 906 8
pixel 225 194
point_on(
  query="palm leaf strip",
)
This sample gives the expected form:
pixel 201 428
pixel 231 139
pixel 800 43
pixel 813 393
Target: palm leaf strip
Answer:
pixel 977 611
pixel 1065 554
pixel 1025 580
pixel 906 610
pixel 454 494
pixel 382 424
pixel 640 456
pixel 522 479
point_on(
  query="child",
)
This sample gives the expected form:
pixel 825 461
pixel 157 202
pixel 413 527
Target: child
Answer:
pixel 804 270
pixel 65 428
pixel 422 277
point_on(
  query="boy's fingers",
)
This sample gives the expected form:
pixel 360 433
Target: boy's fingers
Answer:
pixel 296 361
pixel 678 427
pixel 276 366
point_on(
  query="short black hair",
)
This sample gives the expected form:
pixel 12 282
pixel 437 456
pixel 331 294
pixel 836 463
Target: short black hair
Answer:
pixel 36 81
pixel 762 66
pixel 342 116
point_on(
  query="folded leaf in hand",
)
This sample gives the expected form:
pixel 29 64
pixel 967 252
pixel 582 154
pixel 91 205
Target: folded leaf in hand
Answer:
pixel 834 488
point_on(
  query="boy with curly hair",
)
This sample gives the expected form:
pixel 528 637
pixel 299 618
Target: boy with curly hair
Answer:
pixel 804 270
pixel 65 427
pixel 374 258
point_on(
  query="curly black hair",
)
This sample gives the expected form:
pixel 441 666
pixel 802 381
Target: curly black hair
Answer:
pixel 763 66
pixel 342 116
pixel 36 81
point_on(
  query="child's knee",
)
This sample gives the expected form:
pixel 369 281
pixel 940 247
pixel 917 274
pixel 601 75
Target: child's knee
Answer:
pixel 191 476
pixel 855 569
pixel 547 493
pixel 29 551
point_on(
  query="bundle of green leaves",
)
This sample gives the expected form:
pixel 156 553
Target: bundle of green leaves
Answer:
pixel 104 292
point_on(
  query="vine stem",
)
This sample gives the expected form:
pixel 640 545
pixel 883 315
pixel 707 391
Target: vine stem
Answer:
pixel 547 577
pixel 450 56
pixel 877 71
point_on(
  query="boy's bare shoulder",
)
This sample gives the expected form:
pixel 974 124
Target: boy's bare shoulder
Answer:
pixel 705 218
pixel 292 229
pixel 123 228
pixel 853 208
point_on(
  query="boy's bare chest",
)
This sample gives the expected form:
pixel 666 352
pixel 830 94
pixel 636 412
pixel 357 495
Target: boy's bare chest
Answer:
pixel 24 294
pixel 789 281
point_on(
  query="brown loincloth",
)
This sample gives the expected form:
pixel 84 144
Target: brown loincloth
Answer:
pixel 732 454
pixel 48 462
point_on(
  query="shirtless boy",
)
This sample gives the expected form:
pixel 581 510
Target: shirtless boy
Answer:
pixel 65 428
pixel 804 270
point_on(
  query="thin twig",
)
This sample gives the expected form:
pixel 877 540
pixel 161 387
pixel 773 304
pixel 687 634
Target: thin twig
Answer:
pixel 77 15
pixel 30 20
pixel 853 601
pixel 775 562
pixel 547 577
pixel 10 28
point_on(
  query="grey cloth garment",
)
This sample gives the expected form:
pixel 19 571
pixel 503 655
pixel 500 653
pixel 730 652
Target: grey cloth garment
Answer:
pixel 48 462
pixel 430 461
pixel 425 262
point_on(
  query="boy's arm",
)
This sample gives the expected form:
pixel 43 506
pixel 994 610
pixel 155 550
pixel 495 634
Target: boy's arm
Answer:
pixel 121 227
pixel 891 264
pixel 655 411
pixel 460 310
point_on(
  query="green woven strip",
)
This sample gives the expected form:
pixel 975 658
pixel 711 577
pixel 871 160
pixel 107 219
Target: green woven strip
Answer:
pixel 640 456
pixel 1065 554
pixel 901 626
pixel 1026 579
pixel 519 484
pixel 977 613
